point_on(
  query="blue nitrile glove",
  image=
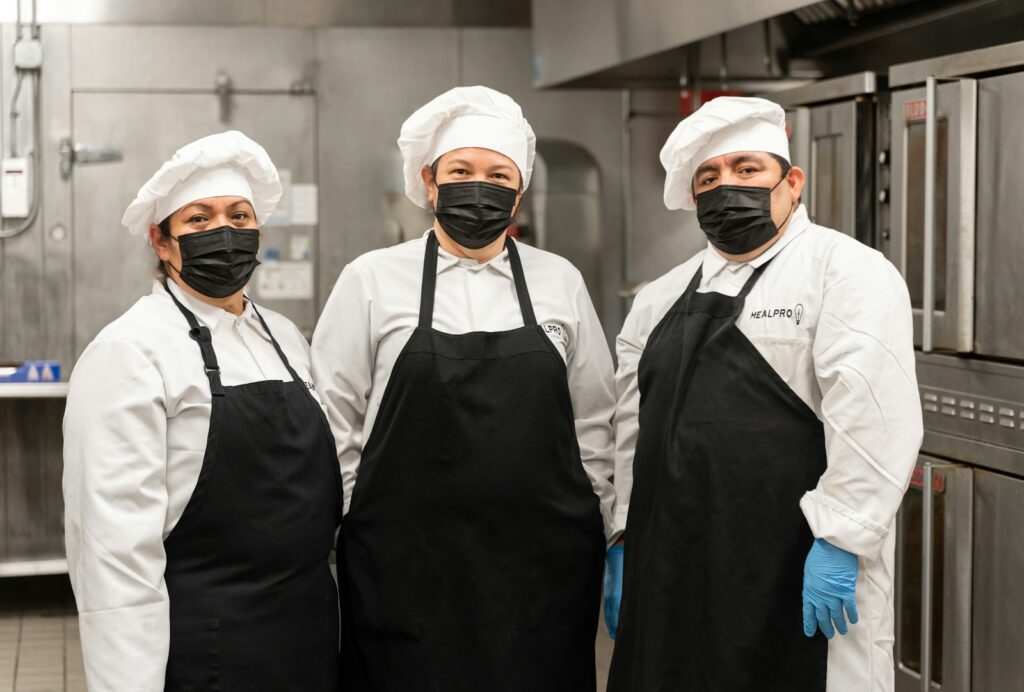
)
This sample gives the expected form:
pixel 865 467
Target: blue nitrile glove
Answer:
pixel 830 577
pixel 613 588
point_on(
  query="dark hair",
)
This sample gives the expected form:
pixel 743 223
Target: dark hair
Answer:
pixel 165 231
pixel 785 165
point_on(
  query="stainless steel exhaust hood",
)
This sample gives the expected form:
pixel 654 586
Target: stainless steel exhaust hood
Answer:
pixel 574 39
pixel 752 45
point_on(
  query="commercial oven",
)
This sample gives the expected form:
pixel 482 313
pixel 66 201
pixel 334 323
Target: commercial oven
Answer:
pixel 956 201
pixel 831 126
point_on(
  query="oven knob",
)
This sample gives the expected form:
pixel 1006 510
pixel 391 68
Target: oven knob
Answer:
pixel 883 195
pixel 883 157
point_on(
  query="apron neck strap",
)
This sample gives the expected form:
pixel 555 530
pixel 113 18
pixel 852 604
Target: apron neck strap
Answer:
pixel 430 283
pixel 201 335
pixel 748 287
pixel 277 346
pixel 740 297
pixel 522 292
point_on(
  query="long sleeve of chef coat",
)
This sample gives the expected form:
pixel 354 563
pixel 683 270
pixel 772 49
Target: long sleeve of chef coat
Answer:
pixel 374 308
pixel 864 363
pixel 850 359
pixel 116 504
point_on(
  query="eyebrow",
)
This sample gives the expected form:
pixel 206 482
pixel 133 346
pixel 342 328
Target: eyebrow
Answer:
pixel 735 161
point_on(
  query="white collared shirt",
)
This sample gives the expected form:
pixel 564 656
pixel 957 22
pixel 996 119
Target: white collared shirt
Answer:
pixel 832 317
pixel 374 309
pixel 135 430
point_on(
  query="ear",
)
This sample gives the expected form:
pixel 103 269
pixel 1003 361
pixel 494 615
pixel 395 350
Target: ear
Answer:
pixel 159 242
pixel 429 183
pixel 519 200
pixel 796 179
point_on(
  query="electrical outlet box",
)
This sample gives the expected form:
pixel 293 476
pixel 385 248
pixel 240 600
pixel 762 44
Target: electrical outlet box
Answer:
pixel 28 54
pixel 15 183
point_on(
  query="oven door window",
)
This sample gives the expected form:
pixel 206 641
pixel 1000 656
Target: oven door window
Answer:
pixel 911 515
pixel 915 211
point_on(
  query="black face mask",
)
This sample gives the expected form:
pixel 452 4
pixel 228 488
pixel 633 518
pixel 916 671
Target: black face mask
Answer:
pixel 219 262
pixel 474 214
pixel 737 218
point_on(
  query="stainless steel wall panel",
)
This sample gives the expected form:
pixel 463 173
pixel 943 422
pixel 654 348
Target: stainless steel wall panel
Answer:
pixel 35 318
pixel 195 12
pixel 999 306
pixel 31 501
pixel 591 120
pixel 114 58
pixel 659 239
pixel 371 80
pixel 57 319
pixel 421 13
pixel 112 268
pixel 998 588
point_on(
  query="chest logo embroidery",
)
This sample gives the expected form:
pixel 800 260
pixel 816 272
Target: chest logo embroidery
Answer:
pixel 554 329
pixel 795 313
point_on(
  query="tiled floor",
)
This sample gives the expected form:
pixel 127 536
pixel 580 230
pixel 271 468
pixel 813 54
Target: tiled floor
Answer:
pixel 40 650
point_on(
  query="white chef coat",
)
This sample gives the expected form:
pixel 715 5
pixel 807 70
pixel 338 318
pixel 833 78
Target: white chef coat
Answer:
pixel 833 319
pixel 135 429
pixel 374 309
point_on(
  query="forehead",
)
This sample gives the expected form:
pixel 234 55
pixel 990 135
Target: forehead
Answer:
pixel 477 156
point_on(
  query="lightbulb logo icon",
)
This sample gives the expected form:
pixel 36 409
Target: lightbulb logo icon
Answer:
pixel 799 312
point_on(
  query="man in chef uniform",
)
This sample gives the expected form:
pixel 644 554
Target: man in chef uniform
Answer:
pixel 470 389
pixel 201 490
pixel 767 426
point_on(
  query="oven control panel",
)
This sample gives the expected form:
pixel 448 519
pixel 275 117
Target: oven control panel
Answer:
pixel 967 414
pixel 973 410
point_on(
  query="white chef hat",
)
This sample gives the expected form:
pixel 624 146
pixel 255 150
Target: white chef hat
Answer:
pixel 464 117
pixel 221 165
pixel 723 125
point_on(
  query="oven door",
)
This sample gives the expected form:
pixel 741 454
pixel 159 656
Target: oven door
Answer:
pixel 841 174
pixel 933 579
pixel 999 322
pixel 942 285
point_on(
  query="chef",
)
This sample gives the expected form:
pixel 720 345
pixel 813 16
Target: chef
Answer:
pixel 767 426
pixel 201 487
pixel 470 389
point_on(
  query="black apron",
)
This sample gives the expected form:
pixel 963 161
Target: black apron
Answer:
pixel 473 548
pixel 252 600
pixel 715 539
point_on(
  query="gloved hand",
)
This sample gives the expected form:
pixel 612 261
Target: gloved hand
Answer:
pixel 830 577
pixel 613 588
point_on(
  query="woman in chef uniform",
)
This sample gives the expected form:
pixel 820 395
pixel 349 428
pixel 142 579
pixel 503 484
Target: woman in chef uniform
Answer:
pixel 201 487
pixel 469 386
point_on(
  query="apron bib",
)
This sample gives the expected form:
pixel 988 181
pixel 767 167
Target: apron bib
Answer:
pixel 716 540
pixel 253 605
pixel 473 548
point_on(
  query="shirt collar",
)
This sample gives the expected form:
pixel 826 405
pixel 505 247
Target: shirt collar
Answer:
pixel 714 263
pixel 445 261
pixel 208 315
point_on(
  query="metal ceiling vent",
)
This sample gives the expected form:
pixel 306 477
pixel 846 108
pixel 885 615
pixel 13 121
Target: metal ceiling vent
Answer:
pixel 844 10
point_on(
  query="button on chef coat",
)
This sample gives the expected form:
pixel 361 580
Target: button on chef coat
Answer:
pixel 374 308
pixel 135 429
pixel 832 317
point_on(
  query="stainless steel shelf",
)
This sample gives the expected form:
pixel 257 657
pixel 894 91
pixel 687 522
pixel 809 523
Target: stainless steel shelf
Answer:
pixel 31 568
pixel 33 390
